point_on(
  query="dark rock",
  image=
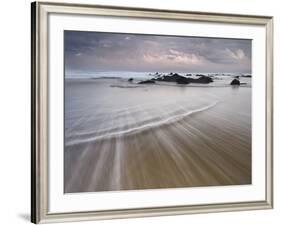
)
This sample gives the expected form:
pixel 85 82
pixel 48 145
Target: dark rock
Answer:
pixel 249 76
pixel 130 79
pixel 147 82
pixel 235 82
pixel 182 80
pixel 170 78
pixel 201 80
pixel 205 79
pixel 236 77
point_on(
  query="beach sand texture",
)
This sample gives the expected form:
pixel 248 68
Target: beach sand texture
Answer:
pixel 168 136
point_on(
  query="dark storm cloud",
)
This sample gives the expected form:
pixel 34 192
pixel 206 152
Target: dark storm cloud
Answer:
pixel 95 51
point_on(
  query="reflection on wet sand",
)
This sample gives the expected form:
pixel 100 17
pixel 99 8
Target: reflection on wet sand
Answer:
pixel 209 147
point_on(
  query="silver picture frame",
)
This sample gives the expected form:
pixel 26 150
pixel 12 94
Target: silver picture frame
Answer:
pixel 40 89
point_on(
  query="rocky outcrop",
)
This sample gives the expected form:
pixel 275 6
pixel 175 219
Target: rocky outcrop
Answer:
pixel 248 76
pixel 201 80
pixel 182 80
pixel 235 82
pixel 147 82
pixel 169 78
pixel 174 77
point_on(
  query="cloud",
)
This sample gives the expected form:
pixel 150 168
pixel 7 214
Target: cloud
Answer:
pixel 92 51
pixel 237 54
pixel 172 58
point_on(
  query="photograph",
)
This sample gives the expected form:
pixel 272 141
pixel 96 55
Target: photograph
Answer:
pixel 141 112
pixel 149 111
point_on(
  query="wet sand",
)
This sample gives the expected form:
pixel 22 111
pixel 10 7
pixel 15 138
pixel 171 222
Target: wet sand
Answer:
pixel 207 148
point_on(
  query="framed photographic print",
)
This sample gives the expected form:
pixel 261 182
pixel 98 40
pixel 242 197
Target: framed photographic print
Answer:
pixel 147 112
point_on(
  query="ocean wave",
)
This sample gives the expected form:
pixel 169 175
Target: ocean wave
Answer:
pixel 140 128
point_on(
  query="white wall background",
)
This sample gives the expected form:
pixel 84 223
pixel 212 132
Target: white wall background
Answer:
pixel 15 110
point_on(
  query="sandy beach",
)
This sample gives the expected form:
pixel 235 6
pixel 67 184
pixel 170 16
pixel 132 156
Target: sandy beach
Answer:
pixel 204 147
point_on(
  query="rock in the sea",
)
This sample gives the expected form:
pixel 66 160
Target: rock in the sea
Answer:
pixel 167 78
pixel 174 77
pixel 235 82
pixel 248 76
pixel 202 80
pixel 147 82
pixel 182 80
pixel 130 79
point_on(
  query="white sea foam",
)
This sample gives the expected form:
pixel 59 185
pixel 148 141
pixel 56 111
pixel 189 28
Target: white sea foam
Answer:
pixel 143 127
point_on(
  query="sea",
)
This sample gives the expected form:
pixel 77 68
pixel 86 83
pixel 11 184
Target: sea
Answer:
pixel 105 105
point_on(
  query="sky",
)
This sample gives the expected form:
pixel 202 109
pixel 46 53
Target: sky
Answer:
pixel 89 52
